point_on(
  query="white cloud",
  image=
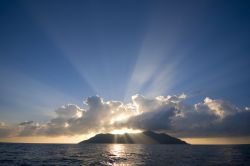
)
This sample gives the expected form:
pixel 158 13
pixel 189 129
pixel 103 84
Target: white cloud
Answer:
pixel 69 111
pixel 165 113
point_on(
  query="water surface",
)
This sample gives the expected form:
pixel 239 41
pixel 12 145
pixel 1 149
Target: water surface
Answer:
pixel 123 154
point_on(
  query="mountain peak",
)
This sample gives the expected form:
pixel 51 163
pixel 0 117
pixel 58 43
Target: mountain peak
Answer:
pixel 146 137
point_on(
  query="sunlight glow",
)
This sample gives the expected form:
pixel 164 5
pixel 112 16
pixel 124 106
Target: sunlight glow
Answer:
pixel 218 140
pixel 79 114
pixel 119 118
pixel 117 150
pixel 125 130
pixel 47 139
pixel 66 125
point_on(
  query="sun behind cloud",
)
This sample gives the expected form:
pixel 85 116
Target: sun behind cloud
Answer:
pixel 125 130
pixel 208 118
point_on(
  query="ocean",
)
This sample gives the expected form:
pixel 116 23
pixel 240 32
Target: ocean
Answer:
pixel 123 154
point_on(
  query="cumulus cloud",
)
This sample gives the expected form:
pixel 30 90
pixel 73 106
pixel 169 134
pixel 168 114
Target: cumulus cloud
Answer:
pixel 162 113
pixel 69 110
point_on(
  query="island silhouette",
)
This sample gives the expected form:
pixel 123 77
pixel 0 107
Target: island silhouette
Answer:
pixel 146 137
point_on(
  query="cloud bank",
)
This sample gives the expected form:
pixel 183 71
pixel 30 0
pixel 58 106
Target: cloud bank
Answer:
pixel 163 113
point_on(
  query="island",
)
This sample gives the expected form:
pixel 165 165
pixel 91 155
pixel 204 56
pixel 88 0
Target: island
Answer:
pixel 146 137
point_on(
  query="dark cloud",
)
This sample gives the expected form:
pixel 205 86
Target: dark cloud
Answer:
pixel 157 120
pixel 25 123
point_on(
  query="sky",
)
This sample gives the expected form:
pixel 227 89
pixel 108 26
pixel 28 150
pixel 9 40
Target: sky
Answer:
pixel 76 68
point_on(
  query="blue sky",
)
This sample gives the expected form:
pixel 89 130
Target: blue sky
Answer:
pixel 57 52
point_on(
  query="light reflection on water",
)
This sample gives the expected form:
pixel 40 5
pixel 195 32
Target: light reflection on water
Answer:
pixel 123 154
pixel 117 149
pixel 117 155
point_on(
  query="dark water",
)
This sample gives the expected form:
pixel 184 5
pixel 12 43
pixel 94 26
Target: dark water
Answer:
pixel 121 154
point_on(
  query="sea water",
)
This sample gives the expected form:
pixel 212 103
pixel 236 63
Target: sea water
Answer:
pixel 123 154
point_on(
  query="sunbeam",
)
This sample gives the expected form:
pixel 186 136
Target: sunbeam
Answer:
pixel 74 68
pixel 154 69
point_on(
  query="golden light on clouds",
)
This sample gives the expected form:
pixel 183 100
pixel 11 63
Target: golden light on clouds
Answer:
pixel 73 124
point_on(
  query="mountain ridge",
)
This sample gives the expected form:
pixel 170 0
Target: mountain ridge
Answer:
pixel 146 137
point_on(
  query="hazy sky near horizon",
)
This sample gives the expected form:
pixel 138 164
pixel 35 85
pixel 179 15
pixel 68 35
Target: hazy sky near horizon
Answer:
pixel 61 52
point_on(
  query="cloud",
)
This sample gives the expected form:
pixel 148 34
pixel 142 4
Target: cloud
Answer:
pixel 213 118
pixel 69 111
pixel 156 113
pixel 162 113
pixel 5 130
